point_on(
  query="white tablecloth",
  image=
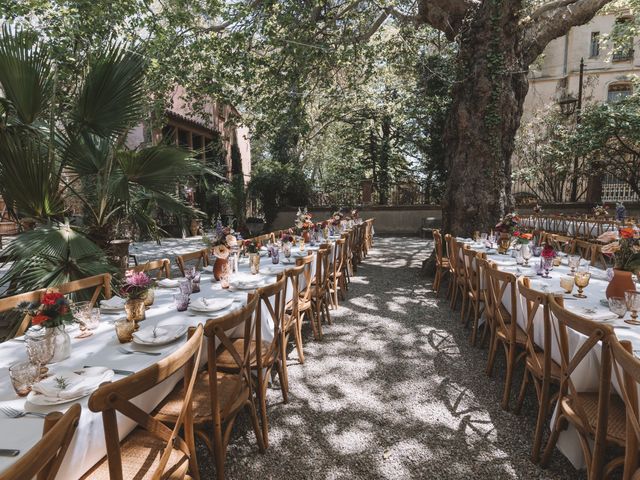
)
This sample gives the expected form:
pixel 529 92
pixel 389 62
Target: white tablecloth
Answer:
pixel 88 446
pixel 585 376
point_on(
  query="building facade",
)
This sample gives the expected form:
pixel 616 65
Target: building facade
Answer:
pixel 608 76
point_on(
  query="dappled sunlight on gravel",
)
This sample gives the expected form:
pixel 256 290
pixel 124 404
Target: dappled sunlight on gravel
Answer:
pixel 392 391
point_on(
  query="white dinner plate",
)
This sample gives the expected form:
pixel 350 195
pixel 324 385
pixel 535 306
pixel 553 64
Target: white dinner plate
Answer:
pixel 164 334
pixel 212 304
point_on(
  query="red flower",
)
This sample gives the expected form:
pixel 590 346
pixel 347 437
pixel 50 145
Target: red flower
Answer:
pixel 38 319
pixel 627 233
pixel 51 298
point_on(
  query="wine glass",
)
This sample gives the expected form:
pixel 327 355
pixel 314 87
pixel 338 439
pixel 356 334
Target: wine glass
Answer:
pixel 618 306
pixel 581 278
pixel 574 262
pixel 526 254
pixel 82 315
pixel 632 298
pixel 547 264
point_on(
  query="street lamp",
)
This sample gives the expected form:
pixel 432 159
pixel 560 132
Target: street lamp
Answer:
pixel 568 105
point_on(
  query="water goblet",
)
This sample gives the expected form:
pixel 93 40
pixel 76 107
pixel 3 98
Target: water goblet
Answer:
pixel 39 350
pixel 181 301
pixel 632 298
pixel 574 262
pixel 581 278
pixel 124 330
pixel 526 254
pixel 23 375
pixel 547 264
pixel 185 287
pixel 286 249
pixel 519 258
pixel 484 236
pixel 566 283
pixel 618 306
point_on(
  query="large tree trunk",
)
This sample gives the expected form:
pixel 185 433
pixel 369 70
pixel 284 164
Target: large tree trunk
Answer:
pixel 484 118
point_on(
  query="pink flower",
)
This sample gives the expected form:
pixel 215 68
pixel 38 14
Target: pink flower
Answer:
pixel 137 279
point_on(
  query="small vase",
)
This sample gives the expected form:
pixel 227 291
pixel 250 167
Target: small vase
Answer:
pixel 254 261
pixel 306 236
pixel 135 309
pixel 149 297
pixel 60 343
pixel 619 284
pixel 219 266
pixel 505 243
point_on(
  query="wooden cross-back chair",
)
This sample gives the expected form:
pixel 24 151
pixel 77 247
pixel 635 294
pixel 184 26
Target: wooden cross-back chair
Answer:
pixel 320 289
pixel 153 449
pixel 599 259
pixel 454 261
pixel 599 417
pixel 101 285
pixel 507 332
pixel 474 297
pixel 442 262
pixel 368 240
pixel 305 307
pixel 582 248
pixel 160 267
pixel 293 313
pixel 626 369
pixel 336 277
pixel 560 243
pixel 217 403
pixel 265 355
pixel 461 273
pixel 43 460
pixel 489 324
pixel 201 258
pixel 346 261
pixel 540 369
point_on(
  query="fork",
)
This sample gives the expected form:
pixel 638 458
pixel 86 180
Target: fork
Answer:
pixel 15 413
pixel 129 352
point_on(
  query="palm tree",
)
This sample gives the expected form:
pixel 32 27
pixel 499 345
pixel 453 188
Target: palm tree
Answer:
pixel 55 151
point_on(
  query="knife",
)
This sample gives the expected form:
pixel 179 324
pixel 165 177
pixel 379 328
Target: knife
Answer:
pixel 8 452
pixel 116 371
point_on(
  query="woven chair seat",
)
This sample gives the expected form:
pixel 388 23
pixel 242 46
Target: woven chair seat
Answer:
pixel 616 421
pixel 231 393
pixel 140 453
pixel 226 361
pixel 303 305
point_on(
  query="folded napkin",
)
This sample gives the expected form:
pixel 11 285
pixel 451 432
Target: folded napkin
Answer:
pixel 595 314
pixel 169 283
pixel 163 334
pixel 211 305
pixel 598 274
pixel 113 302
pixel 72 384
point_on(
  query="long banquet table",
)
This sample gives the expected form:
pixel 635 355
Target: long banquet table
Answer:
pixel 100 349
pixel 585 377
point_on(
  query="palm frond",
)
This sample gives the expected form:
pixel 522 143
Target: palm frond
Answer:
pixel 26 73
pixel 52 255
pixel 111 98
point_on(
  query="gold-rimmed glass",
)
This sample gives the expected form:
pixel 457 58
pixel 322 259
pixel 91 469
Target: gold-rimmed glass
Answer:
pixel 574 263
pixel 632 298
pixel 581 279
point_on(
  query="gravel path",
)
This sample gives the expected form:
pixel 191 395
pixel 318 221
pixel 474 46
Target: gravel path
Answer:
pixel 394 390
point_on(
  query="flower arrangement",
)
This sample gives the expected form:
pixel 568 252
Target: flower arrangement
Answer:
pixel 303 220
pixel 287 237
pixel 523 237
pixel 509 223
pixel 621 211
pixel 600 211
pixel 537 209
pixel 51 311
pixel 548 251
pixel 136 285
pixel 222 240
pixel 336 218
pixel 252 246
pixel 625 251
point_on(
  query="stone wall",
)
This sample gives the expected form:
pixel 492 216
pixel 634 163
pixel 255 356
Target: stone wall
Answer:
pixel 405 220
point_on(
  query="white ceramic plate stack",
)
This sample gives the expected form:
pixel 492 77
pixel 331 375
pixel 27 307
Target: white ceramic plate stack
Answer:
pixel 169 283
pixel 113 305
pixel 246 284
pixel 66 385
pixel 159 335
pixel 204 305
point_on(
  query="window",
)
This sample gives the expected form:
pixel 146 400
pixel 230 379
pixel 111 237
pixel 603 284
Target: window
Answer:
pixel 594 51
pixel 623 41
pixel 618 91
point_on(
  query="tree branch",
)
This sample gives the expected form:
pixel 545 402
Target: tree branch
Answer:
pixel 554 20
pixel 445 15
